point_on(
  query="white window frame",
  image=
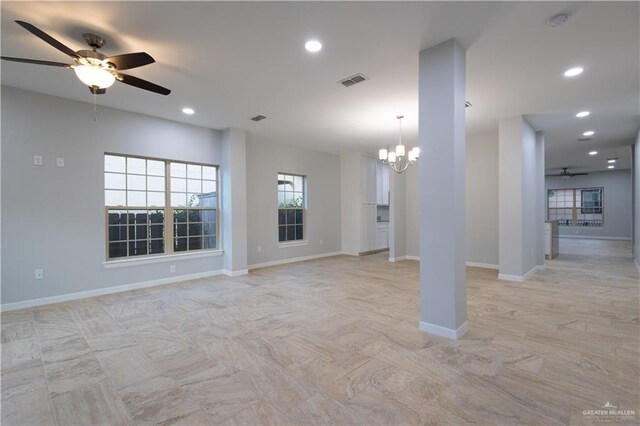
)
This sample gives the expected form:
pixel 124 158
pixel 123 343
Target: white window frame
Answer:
pixel 304 240
pixel 168 223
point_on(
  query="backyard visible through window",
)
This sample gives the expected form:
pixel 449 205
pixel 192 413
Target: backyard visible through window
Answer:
pixel 576 206
pixel 291 207
pixel 141 222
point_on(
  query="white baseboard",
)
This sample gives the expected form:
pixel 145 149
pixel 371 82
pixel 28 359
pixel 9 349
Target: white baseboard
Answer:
pixel 448 333
pixel 102 291
pixel 236 273
pixel 519 278
pixel 482 265
pixel 293 259
pixel 589 237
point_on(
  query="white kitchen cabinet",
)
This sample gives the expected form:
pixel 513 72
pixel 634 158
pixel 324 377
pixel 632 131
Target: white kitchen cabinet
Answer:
pixel 368 180
pixel 382 235
pixel 382 184
pixel 359 208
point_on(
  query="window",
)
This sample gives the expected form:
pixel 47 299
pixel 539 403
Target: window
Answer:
pixel 576 206
pixel 159 207
pixel 291 207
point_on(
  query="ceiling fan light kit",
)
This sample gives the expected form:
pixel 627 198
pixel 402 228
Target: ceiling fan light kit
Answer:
pixel 92 68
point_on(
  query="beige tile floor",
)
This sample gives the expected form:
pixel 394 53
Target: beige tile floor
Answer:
pixel 333 341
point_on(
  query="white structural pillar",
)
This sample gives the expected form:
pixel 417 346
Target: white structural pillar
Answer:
pixel 521 199
pixel 443 284
pixel 233 183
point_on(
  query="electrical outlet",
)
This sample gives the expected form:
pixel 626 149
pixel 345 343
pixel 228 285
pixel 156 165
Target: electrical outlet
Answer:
pixel 37 160
pixel 59 162
pixel 39 274
pixel 172 269
pixel 259 249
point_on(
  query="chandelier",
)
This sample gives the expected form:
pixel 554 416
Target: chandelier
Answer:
pixel 397 160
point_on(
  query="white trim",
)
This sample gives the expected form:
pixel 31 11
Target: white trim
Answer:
pixel 483 265
pixel 448 333
pixel 293 260
pixel 399 258
pixel 102 291
pixel 293 244
pixel 235 273
pixel 160 258
pixel 519 278
pixel 413 258
pixel 590 237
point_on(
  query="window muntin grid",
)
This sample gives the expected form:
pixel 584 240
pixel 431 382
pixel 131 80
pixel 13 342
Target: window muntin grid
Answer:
pixel 576 206
pixel 144 211
pixel 291 207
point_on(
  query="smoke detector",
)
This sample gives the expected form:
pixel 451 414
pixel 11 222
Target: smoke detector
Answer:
pixel 558 19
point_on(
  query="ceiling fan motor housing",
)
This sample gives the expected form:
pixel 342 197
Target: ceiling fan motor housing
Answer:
pixel 94 40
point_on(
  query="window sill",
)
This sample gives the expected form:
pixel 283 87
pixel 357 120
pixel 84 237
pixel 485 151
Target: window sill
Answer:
pixel 293 244
pixel 160 258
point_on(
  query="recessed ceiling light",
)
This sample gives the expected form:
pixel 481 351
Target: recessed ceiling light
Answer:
pixel 313 46
pixel 611 160
pixel 572 72
pixel 593 153
pixel 589 133
pixel 582 114
pixel 611 167
pixel 188 111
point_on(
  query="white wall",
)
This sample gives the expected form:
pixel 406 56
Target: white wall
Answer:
pixel 54 218
pixel 264 161
pixel 413 210
pixel 482 199
pixel 617 203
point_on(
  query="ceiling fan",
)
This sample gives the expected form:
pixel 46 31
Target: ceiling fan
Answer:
pixel 94 69
pixel 565 174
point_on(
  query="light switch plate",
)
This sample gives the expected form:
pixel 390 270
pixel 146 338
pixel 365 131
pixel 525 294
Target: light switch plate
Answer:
pixel 37 160
pixel 59 162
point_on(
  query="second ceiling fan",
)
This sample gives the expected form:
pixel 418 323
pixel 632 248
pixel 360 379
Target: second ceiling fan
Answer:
pixel 93 68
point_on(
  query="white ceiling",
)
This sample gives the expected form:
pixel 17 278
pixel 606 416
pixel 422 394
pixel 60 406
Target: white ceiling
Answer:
pixel 234 60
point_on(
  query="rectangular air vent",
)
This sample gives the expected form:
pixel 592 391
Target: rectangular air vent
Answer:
pixel 354 79
pixel 467 104
pixel 257 118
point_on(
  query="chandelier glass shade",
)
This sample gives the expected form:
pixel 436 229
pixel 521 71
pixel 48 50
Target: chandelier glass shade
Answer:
pixel 398 159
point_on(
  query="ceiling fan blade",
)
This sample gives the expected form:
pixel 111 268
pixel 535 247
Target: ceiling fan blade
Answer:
pixel 131 60
pixel 142 84
pixel 46 37
pixel 36 61
pixel 97 91
pixel 579 174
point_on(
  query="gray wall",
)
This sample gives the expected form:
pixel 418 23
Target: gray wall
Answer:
pixel 482 199
pixel 264 161
pixel 636 199
pixel 53 218
pixel 617 203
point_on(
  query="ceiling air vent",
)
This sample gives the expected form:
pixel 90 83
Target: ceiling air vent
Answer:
pixel 584 139
pixel 467 104
pixel 257 118
pixel 354 79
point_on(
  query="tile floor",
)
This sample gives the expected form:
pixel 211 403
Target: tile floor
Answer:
pixel 334 341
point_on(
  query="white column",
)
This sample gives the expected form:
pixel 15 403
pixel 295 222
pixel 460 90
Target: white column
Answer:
pixel 443 285
pixel 233 183
pixel 520 199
